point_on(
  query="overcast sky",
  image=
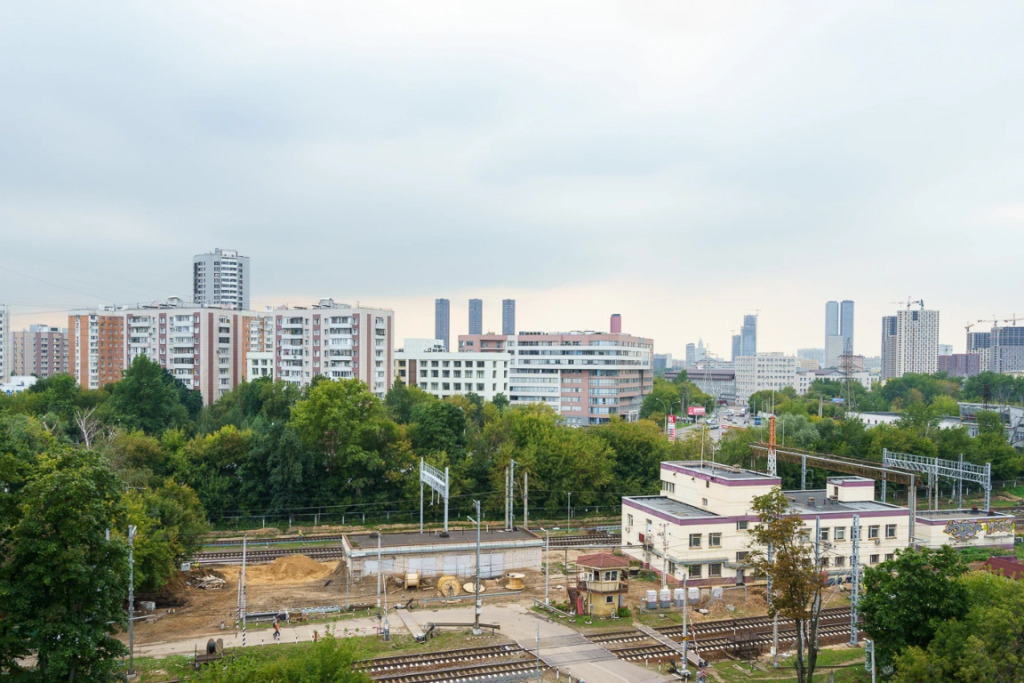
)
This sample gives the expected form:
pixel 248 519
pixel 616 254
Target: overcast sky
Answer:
pixel 680 163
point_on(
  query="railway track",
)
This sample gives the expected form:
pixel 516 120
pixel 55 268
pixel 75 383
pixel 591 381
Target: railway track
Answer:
pixel 266 556
pixel 585 540
pixel 710 648
pixel 425 660
pixel 477 672
pixel 326 538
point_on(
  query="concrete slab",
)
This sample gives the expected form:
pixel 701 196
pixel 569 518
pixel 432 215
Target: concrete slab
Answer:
pixel 560 646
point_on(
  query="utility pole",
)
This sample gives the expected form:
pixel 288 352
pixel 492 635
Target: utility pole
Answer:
pixel 664 556
pixel 131 598
pixel 526 500
pixel 547 567
pixel 568 513
pixel 855 578
pixel 771 599
pixel 379 572
pixel 686 637
pixel 479 602
pixel 243 589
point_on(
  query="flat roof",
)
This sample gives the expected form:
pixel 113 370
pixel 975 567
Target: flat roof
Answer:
pixel 455 536
pixel 720 471
pixel 671 507
pixel 960 513
pixel 800 501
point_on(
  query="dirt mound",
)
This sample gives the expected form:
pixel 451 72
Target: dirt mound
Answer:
pixel 290 568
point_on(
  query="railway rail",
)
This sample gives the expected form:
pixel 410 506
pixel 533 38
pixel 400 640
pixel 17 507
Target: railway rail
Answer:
pixel 319 552
pixel 423 660
pixel 266 556
pixel 477 672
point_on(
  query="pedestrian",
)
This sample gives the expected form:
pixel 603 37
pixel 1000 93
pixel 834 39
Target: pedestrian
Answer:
pixel 316 636
pixel 277 630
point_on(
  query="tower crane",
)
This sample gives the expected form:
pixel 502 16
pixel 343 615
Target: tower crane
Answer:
pixel 995 322
pixel 1012 319
pixel 909 302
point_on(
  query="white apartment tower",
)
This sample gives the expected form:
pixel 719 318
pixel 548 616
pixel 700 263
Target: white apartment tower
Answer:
pixel 6 356
pixel 917 342
pixel 221 278
pixel 335 341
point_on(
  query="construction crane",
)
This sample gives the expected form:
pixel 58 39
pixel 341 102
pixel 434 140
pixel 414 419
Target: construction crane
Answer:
pixel 909 302
pixel 995 322
pixel 1012 319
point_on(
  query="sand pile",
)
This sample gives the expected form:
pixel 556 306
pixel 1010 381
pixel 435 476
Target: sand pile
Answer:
pixel 289 568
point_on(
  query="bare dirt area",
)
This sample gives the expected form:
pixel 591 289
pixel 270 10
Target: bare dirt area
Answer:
pixel 289 582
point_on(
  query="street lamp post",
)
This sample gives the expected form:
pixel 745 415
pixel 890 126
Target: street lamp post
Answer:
pixel 131 598
pixel 666 412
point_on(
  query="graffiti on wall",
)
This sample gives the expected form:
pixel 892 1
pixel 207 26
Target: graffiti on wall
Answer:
pixel 999 526
pixel 962 529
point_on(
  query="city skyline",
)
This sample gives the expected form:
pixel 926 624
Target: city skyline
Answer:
pixel 724 140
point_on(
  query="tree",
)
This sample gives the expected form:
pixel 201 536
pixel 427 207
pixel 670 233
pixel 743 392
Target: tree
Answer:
pixel 401 400
pixel 362 451
pixel 796 574
pixel 985 645
pixel 62 583
pixel 906 598
pixel 148 398
pixel 439 426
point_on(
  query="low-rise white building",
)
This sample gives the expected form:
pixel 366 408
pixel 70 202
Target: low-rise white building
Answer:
pixel 764 371
pixel 699 524
pixel 425 364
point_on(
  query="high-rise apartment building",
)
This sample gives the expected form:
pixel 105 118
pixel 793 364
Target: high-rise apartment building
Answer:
pixel 917 342
pixel 202 347
pixel 476 316
pixel 587 377
pixel 335 341
pixel 890 366
pixel 831 319
pixel 508 316
pixel 96 347
pixel 615 324
pixel 691 354
pixel 846 325
pixel 980 343
pixel 737 347
pixel 442 321
pixel 748 334
pixel 1007 349
pixel 838 331
pixel 5 343
pixel 221 278
pixel 40 350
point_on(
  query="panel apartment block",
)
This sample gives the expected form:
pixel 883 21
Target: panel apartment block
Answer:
pixel 588 377
pixel 336 341
pixel 40 350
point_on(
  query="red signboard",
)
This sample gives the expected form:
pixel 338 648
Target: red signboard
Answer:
pixel 695 411
pixel 671 427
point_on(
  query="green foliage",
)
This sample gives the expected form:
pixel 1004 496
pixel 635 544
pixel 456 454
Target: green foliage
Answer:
pixel 149 398
pixel 401 400
pixel 62 584
pixel 908 597
pixel 984 645
pixel 361 450
pixel 796 575
pixel 328 661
